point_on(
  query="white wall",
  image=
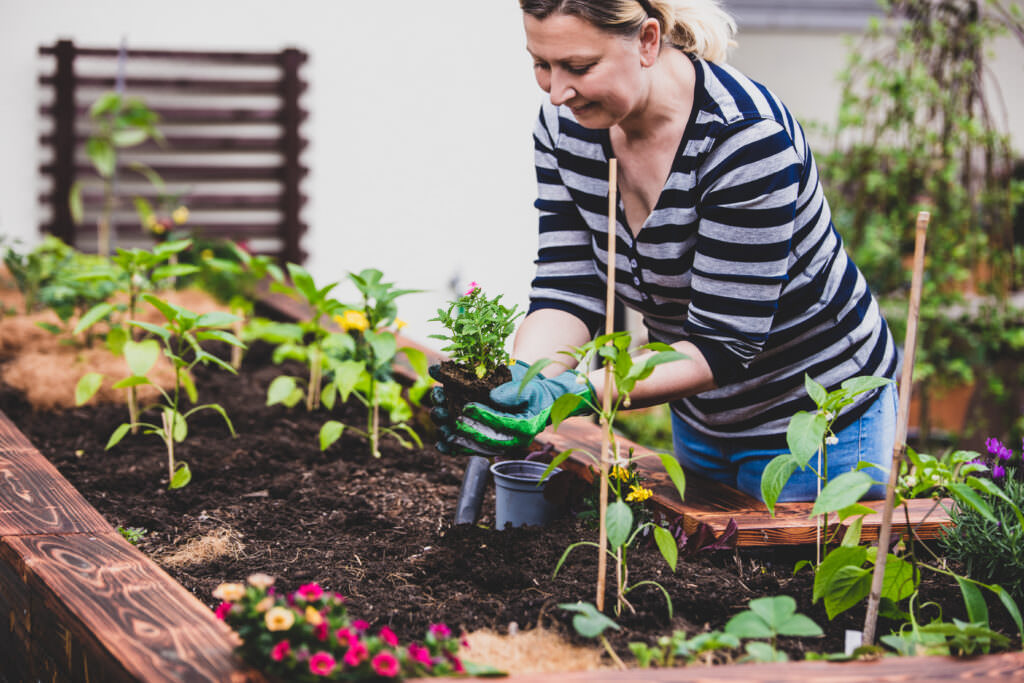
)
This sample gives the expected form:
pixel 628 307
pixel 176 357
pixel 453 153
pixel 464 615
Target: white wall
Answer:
pixel 420 123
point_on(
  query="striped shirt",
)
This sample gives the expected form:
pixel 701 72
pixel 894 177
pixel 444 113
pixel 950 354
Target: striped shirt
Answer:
pixel 739 257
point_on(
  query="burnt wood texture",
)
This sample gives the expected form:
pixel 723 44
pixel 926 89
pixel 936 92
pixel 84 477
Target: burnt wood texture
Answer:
pixel 229 118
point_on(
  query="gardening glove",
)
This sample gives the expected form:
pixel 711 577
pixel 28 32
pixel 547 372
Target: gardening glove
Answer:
pixel 450 442
pixel 514 417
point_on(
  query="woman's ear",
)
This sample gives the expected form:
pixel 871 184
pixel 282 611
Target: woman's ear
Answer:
pixel 650 41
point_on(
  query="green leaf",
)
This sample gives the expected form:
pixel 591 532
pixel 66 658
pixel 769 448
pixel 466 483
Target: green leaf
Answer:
pixel 799 626
pixel 93 316
pixel 825 573
pixel 182 476
pixel 87 387
pixel 764 652
pixel 118 434
pixel 900 580
pixel 967 496
pixel 280 389
pixel 675 472
pixel 859 385
pixel 141 356
pixel 1010 605
pixel 852 536
pixel 849 586
pixel 329 433
pixel 974 601
pixel 133 381
pixel 817 392
pixel 383 345
pixel 748 624
pixel 102 155
pixel 128 137
pixel 189 385
pixel 667 545
pixel 174 270
pixel 619 522
pixel 804 435
pixel 216 319
pixel 346 376
pixel 774 477
pixel 179 428
pixel 841 492
pixel 588 622
pixel 991 488
pixel 159 331
pixel 563 407
pixel 75 203
pixel 105 103
pixel 555 462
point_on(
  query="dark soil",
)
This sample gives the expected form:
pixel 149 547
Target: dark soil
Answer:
pixel 380 531
pixel 461 385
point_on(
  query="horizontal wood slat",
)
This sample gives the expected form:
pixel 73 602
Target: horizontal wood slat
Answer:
pixel 202 202
pixel 715 504
pixel 187 85
pixel 249 58
pixel 196 144
pixel 205 173
pixel 202 115
pixel 254 229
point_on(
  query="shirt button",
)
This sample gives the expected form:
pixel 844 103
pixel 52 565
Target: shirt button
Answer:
pixel 636 280
pixel 633 263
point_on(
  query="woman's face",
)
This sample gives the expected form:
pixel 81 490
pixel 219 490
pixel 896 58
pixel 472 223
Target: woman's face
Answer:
pixel 596 73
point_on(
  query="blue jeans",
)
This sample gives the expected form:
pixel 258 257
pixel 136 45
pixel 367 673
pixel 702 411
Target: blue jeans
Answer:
pixel 869 439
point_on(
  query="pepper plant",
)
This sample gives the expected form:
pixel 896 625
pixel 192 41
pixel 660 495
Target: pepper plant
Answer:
pixel 626 370
pixel 365 371
pixel 180 337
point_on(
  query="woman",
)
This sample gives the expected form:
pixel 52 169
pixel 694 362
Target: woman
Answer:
pixel 724 238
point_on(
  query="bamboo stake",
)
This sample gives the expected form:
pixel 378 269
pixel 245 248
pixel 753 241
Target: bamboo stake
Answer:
pixel 900 446
pixel 609 327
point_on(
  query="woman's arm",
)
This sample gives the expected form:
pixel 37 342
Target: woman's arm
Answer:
pixel 544 334
pixel 669 381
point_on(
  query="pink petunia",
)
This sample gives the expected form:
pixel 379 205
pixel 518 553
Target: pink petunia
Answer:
pixel 455 662
pixel 472 288
pixel 385 664
pixel 346 636
pixel 320 631
pixel 310 592
pixel 356 654
pixel 360 625
pixel 440 630
pixel 281 651
pixel 321 664
pixel 222 610
pixel 420 654
pixel 388 636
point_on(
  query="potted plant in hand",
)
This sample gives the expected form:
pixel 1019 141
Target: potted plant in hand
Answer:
pixel 478 329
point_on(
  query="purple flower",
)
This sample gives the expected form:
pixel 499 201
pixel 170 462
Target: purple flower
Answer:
pixel 998 472
pixel 996 448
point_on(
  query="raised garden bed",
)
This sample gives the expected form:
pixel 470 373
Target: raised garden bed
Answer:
pixel 80 600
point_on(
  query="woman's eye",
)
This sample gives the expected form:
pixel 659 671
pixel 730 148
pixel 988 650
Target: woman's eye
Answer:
pixel 540 65
pixel 578 70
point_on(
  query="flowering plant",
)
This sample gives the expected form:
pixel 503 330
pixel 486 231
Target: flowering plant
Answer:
pixel 308 636
pixel 478 328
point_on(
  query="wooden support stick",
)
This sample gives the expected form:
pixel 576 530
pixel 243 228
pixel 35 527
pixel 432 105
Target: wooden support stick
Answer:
pixel 900 446
pixel 609 327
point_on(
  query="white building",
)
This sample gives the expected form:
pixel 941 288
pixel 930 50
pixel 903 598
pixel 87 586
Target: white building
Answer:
pixel 421 117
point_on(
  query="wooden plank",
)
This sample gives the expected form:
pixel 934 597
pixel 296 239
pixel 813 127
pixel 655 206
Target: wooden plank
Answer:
pixel 198 143
pixel 202 202
pixel 234 229
pixel 115 600
pixel 197 115
pixel 194 86
pixel 219 173
pixel 34 497
pixel 1001 667
pixel 250 58
pixel 716 504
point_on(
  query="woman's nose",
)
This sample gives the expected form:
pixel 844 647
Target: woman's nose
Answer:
pixel 560 90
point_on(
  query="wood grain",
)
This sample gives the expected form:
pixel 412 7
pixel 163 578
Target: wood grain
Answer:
pixel 110 597
pixel 716 504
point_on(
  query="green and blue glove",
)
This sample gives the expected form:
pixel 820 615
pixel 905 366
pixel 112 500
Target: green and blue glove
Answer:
pixel 513 417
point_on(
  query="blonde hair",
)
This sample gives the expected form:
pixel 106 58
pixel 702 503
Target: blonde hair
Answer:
pixel 700 27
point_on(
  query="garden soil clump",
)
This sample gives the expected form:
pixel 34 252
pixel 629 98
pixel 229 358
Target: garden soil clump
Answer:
pixel 379 531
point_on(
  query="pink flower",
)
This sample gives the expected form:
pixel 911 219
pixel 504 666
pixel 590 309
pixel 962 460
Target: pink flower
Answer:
pixel 420 654
pixel 280 651
pixel 456 663
pixel 385 664
pixel 441 631
pixel 321 664
pixel 360 625
pixel 346 637
pixel 472 288
pixel 310 592
pixel 320 631
pixel 388 636
pixel 356 654
pixel 222 610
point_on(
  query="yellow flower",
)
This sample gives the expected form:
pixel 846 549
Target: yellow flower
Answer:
pixel 620 473
pixel 265 604
pixel 279 619
pixel 313 616
pixel 399 323
pixel 260 580
pixel 158 228
pixel 150 221
pixel 180 215
pixel 638 494
pixel 229 592
pixel 352 320
pixel 206 254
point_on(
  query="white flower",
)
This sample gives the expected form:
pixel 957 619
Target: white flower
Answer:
pixel 831 440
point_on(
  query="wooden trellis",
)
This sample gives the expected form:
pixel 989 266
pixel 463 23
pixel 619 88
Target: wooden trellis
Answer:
pixel 233 141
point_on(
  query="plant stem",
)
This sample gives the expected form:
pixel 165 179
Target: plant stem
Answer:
pixel 313 392
pixel 611 653
pixel 169 440
pixel 374 418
